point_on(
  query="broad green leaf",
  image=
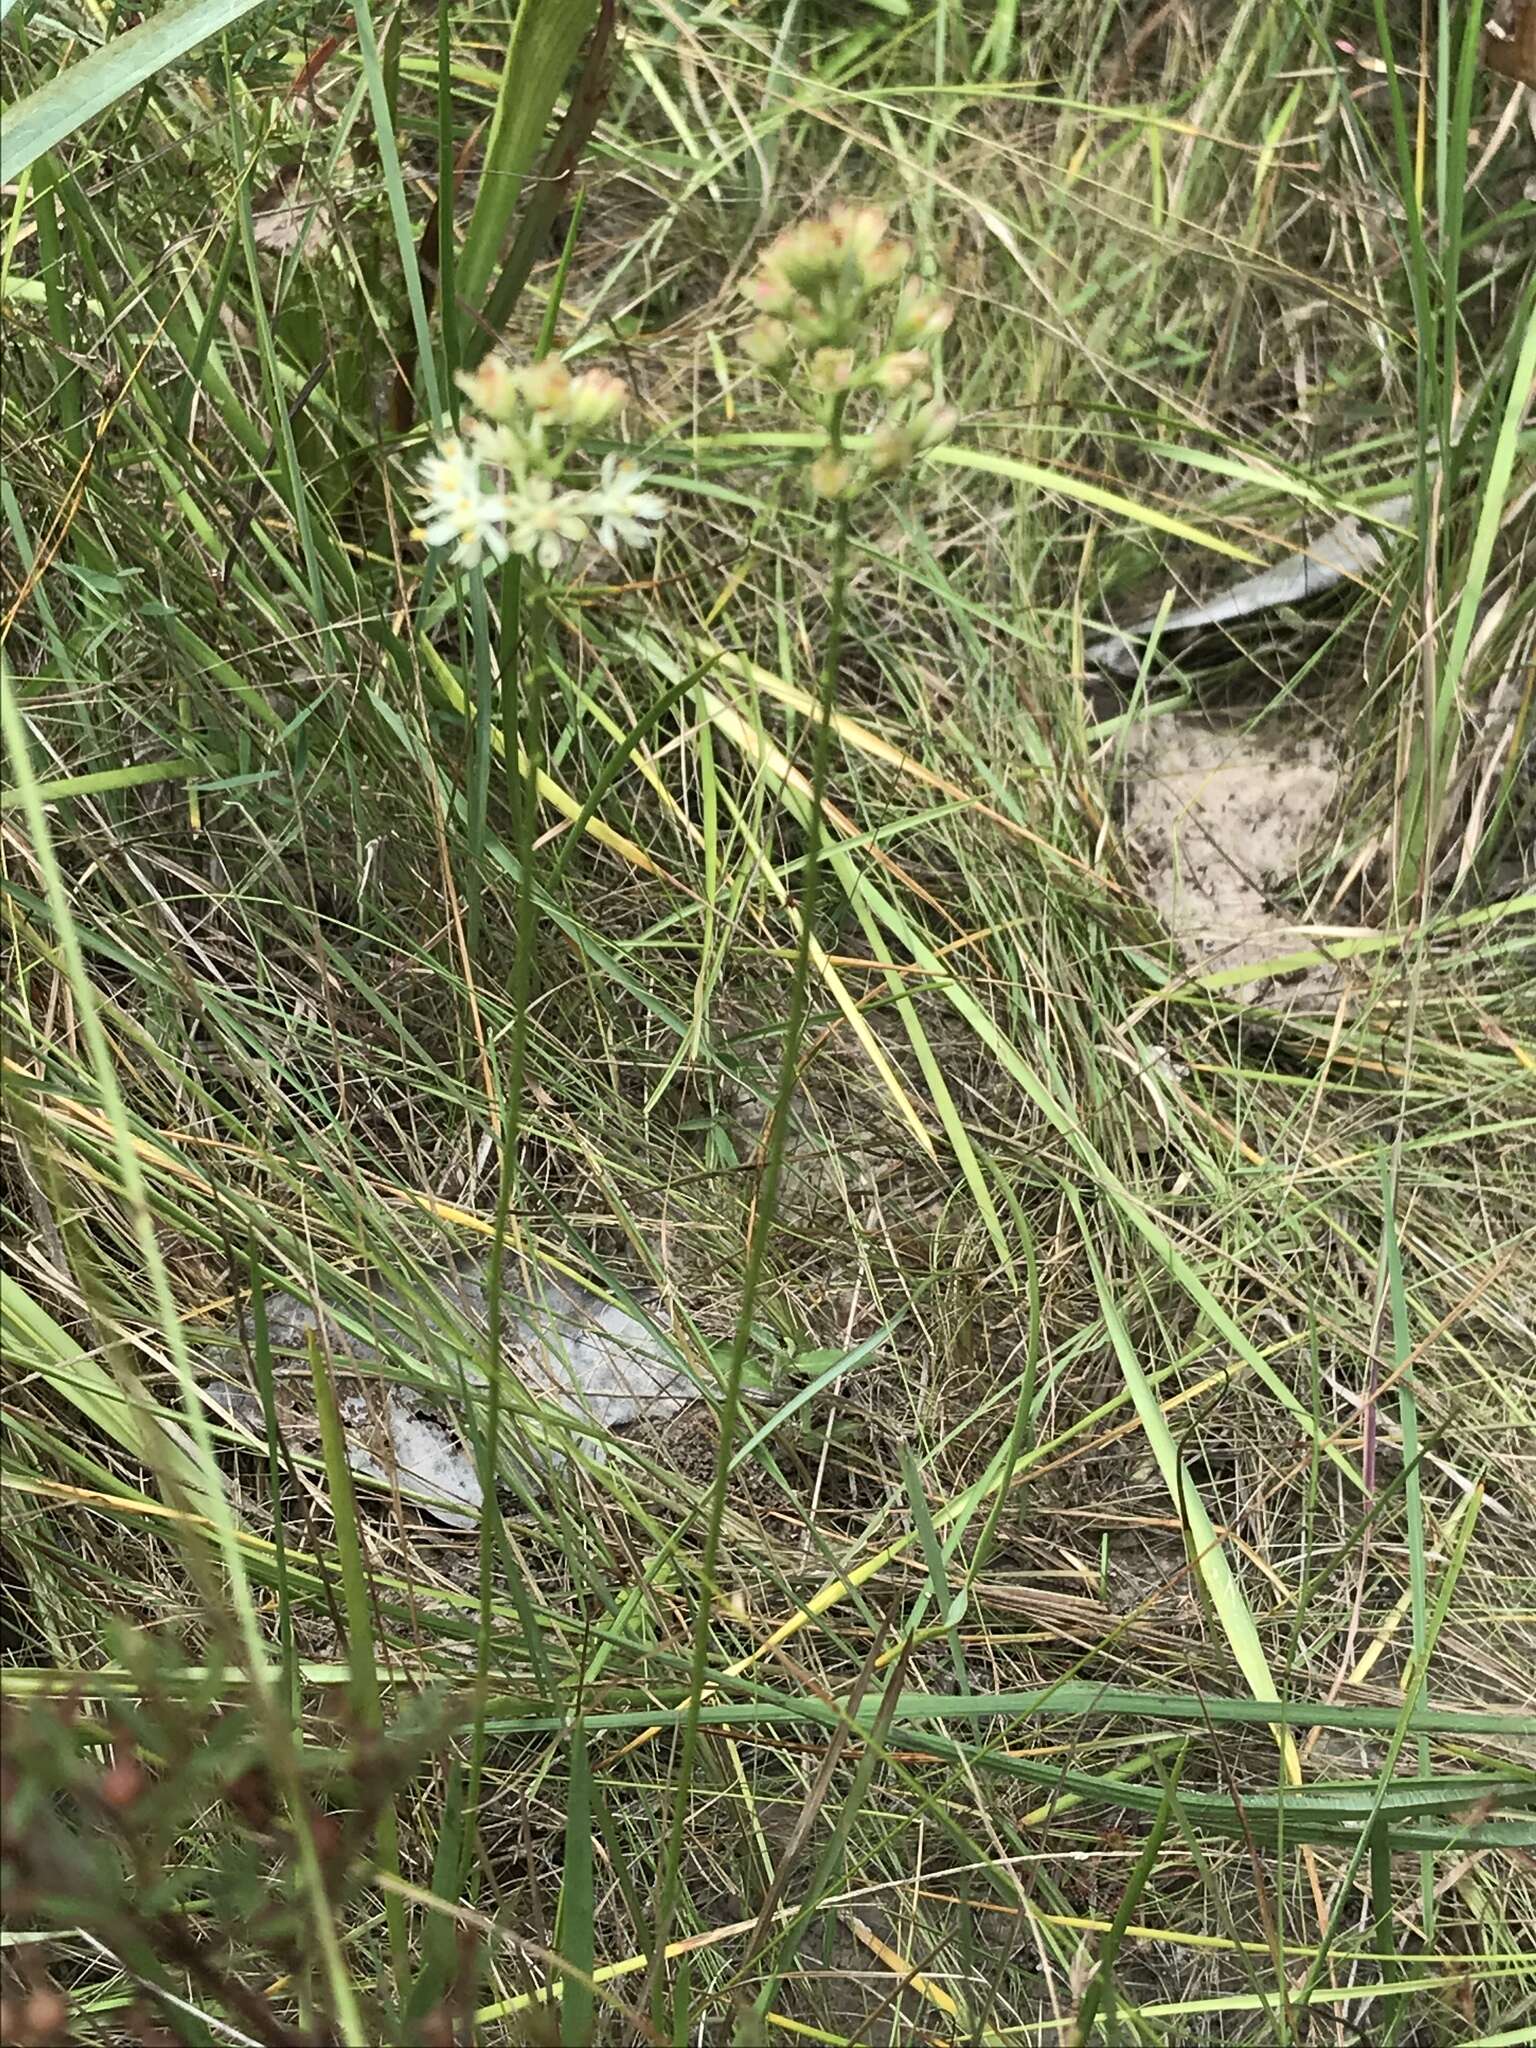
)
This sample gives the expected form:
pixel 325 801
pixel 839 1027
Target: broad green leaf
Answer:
pixel 545 38
pixel 52 113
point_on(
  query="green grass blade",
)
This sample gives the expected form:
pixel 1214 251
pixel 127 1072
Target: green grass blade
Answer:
pixel 1413 1481
pixel 1101 1990
pixel 362 1659
pixel 546 34
pixel 1083 492
pixel 380 100
pixel 949 1607
pixel 52 113
pixel 577 1926
pixel 35 1343
pixel 237 1588
pixel 1208 1551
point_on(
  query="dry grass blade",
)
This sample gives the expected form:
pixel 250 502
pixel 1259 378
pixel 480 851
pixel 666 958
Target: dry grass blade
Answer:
pixel 1086 1589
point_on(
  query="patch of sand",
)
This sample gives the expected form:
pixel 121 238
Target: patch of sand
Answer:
pixel 1222 820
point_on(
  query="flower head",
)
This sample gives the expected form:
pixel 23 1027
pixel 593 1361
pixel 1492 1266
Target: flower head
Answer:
pixel 544 522
pixel 625 512
pixel 459 510
pixel 517 481
pixel 821 278
pixel 856 357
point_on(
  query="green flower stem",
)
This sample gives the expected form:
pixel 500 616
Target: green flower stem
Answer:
pixel 512 623
pixel 524 618
pixel 764 1207
pixel 835 446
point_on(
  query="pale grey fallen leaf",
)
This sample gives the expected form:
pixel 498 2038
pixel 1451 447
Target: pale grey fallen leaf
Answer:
pixel 235 1404
pixel 1346 549
pixel 570 1349
pixel 433 1467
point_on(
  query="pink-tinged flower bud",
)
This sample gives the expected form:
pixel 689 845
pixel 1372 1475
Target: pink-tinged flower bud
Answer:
pixel 546 387
pixel 831 370
pixel 768 343
pixel 492 389
pixel 595 398
pixel 921 315
pixel 931 424
pixel 890 449
pixel 884 264
pixel 769 291
pixel 902 371
pixel 858 230
pixel 832 476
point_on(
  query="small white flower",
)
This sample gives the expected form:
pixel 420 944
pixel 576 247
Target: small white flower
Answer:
pixel 544 523
pixel 501 446
pixel 447 471
pixel 474 522
pixel 622 508
pixel 458 510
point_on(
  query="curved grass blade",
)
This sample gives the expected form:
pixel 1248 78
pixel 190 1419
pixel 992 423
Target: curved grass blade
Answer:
pixel 34 1343
pixel 1065 485
pixel 1209 1553
pixel 50 115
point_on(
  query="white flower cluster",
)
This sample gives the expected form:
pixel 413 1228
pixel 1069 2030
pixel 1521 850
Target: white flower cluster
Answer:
pixel 500 487
pixel 828 332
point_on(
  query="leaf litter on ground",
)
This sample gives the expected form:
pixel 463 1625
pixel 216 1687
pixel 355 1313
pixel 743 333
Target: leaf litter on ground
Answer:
pixel 592 1361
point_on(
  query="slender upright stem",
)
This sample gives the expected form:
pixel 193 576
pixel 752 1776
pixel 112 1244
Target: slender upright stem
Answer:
pixel 764 1208
pixel 522 681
